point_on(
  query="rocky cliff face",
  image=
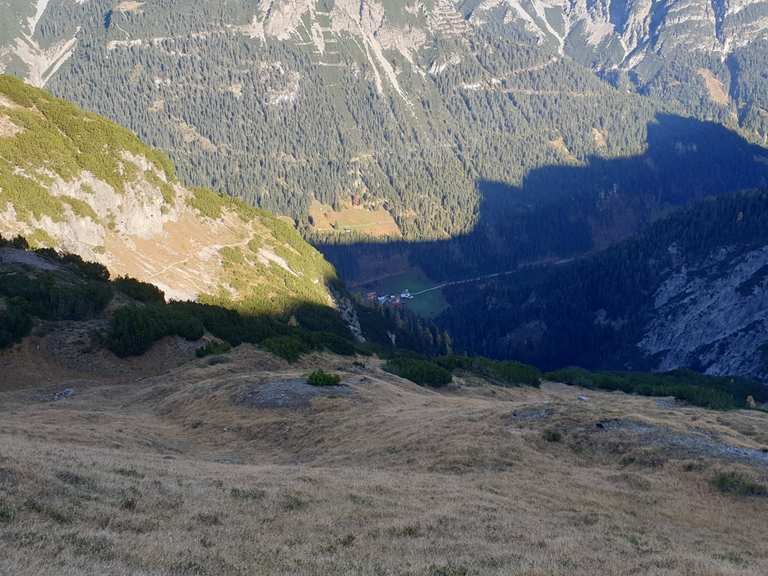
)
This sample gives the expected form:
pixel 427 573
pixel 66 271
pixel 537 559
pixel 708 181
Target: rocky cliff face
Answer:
pixel 624 34
pixel 713 315
pixel 607 33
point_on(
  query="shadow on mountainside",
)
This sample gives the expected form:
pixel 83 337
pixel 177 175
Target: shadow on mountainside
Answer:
pixel 560 212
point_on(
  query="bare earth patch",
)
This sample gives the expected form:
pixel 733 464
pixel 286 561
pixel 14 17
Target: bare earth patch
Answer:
pixel 715 88
pixel 129 6
pixel 8 103
pixel 7 128
pixel 183 257
pixel 376 223
pixel 292 393
pixel 558 144
pixel 190 134
pixel 598 136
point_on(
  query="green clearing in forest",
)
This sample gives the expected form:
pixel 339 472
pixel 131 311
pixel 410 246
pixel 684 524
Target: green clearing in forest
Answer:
pixel 427 305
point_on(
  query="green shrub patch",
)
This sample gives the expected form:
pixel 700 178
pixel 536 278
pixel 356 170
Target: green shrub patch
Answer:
pixel 421 371
pixel 320 378
pixel 715 392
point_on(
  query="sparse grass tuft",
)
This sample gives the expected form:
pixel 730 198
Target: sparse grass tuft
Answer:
pixel 449 570
pixel 74 479
pixel 347 540
pixel 409 531
pixel 129 504
pixel 129 473
pixel 213 348
pixel 737 484
pixel 247 493
pixel 209 518
pixel 7 512
pixel 89 546
pixel 58 515
pixel 551 435
pixel 295 503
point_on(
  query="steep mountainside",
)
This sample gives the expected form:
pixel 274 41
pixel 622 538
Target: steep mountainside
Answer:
pixel 381 115
pixel 705 55
pixel 629 35
pixel 76 182
pixel 689 292
pixel 387 117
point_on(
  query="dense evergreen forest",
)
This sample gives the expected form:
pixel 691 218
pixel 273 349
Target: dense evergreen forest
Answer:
pixel 409 113
pixel 278 124
pixel 560 212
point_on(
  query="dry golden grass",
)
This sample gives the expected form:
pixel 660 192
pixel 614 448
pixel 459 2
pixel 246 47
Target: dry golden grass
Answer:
pixel 165 475
pixel 375 223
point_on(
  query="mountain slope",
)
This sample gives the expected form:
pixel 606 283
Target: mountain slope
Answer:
pixel 688 292
pixel 697 53
pixel 395 106
pixel 76 182
pixel 379 117
pixel 189 465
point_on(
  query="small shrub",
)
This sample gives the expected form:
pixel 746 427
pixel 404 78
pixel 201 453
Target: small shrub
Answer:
pixel 218 360
pixel 209 518
pixel 91 270
pixel 322 319
pixel 510 373
pixel 455 362
pixel 18 242
pixel 7 512
pixel 738 484
pixel 213 348
pixel 248 493
pixel 129 473
pixel 331 342
pixel 551 435
pixel 15 324
pixel 503 373
pixel 320 378
pixel 295 503
pixel 52 295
